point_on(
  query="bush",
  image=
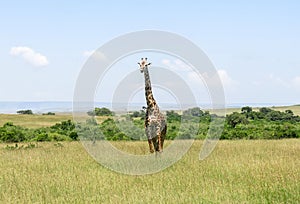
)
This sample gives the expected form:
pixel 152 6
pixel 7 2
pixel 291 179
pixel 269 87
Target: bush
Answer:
pixel 109 128
pixel 49 113
pixel 58 137
pixel 119 136
pixel 11 133
pixel 66 128
pixel 42 137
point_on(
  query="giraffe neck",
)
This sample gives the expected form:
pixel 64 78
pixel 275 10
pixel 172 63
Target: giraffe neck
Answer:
pixel 148 89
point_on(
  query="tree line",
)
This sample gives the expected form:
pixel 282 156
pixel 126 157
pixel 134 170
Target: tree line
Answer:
pixel 63 131
pixel 193 123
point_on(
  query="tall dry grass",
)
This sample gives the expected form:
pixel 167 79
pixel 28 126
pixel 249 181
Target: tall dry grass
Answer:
pixel 236 172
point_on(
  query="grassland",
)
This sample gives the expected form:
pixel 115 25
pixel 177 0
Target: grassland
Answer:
pixel 242 171
pixel 261 171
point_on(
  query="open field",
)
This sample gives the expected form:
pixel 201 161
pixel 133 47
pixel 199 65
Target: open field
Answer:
pixel 33 121
pixel 243 171
pixel 37 121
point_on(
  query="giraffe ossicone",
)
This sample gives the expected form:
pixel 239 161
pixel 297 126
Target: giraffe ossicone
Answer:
pixel 155 122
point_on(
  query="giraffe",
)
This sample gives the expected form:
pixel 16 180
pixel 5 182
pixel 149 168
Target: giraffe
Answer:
pixel 155 123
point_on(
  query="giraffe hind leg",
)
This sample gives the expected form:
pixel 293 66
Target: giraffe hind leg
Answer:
pixel 161 138
pixel 159 143
pixel 163 135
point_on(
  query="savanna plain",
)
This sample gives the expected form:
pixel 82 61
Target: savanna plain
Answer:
pixel 237 171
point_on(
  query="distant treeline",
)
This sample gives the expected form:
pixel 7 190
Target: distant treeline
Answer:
pixel 247 124
pixel 64 131
pixel 262 124
pixel 29 112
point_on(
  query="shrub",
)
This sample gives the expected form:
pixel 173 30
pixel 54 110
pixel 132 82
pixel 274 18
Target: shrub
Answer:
pixel 58 137
pixel 42 137
pixel 11 133
pixel 49 113
pixel 109 128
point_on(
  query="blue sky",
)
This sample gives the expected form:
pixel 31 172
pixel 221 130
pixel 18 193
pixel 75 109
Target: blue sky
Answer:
pixel 254 45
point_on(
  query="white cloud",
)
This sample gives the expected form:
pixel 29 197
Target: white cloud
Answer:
pixel 193 76
pixel 176 64
pixel 214 79
pixel 227 81
pixel 220 76
pixel 29 55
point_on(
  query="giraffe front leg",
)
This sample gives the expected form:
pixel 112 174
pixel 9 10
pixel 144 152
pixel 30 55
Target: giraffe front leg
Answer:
pixel 160 143
pixel 151 146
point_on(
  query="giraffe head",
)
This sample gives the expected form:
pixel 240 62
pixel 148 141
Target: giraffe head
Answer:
pixel 143 64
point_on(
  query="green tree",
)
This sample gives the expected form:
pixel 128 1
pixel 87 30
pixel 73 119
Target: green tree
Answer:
pixel 173 116
pixel 100 112
pixel 236 118
pixel 25 112
pixel 196 111
pixel 248 112
pixel 265 110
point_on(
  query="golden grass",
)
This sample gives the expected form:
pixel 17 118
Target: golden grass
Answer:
pixel 37 121
pixel 241 171
pixel 33 121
